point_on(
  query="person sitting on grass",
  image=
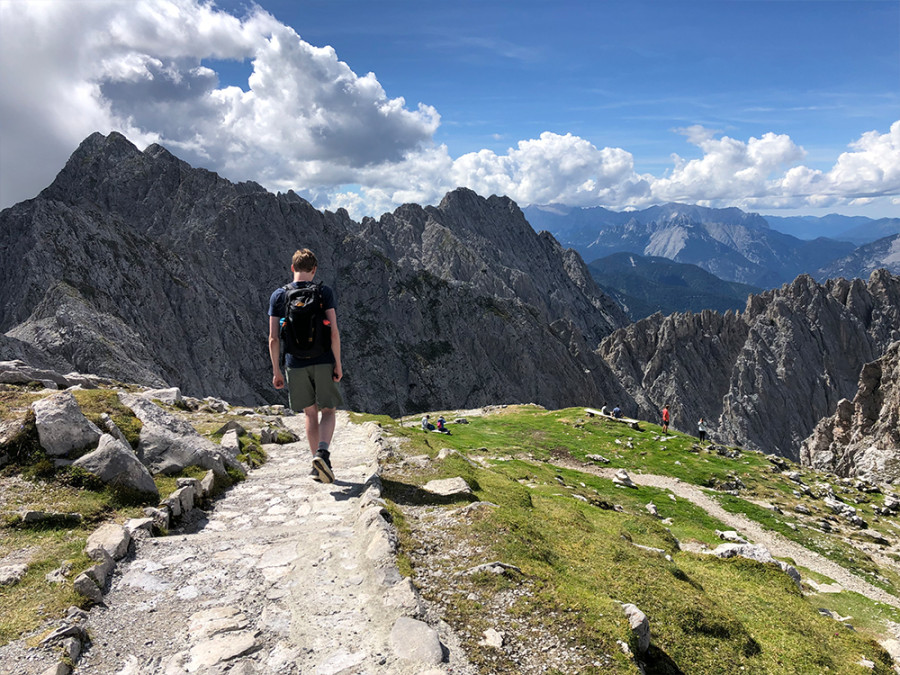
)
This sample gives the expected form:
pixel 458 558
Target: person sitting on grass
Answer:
pixel 441 426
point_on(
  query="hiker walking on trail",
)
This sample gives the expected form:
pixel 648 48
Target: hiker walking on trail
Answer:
pixel 665 419
pixel 303 332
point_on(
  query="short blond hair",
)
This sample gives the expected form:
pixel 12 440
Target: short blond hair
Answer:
pixel 304 260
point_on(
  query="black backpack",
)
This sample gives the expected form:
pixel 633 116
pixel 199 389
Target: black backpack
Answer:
pixel 305 333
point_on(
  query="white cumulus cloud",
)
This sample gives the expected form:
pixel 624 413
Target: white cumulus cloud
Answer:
pixel 305 121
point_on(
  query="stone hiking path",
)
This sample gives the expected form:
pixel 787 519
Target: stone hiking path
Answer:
pixel 284 576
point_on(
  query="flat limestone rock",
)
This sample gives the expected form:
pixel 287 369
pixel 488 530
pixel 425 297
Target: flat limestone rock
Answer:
pixel 12 574
pixel 415 640
pixel 215 621
pixel 220 648
pixel 448 487
pixel 112 538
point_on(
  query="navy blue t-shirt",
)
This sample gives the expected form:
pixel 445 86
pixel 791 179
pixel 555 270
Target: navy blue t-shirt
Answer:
pixel 277 307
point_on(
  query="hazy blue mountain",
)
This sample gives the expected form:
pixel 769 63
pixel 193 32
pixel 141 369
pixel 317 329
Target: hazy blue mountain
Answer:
pixel 646 285
pixel 881 254
pixel 833 226
pixel 729 243
pixel 871 231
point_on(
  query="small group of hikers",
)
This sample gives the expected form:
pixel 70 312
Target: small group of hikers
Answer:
pixel 701 425
pixel 616 412
pixel 666 418
pixel 441 425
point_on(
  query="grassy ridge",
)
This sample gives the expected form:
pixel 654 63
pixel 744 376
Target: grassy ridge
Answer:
pixel 577 540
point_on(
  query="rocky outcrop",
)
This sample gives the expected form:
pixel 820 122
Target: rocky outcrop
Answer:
pixel 862 437
pixel 115 463
pixel 161 275
pixel 169 444
pixel 765 377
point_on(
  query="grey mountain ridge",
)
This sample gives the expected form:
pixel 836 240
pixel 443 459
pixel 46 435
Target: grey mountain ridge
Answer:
pixel 881 254
pixel 136 266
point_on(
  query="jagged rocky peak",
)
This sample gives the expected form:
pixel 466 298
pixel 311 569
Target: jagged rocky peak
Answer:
pixel 862 437
pixel 161 274
pixel 765 377
pixel 486 244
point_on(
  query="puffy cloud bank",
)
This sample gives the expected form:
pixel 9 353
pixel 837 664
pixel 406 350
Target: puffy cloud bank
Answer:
pixel 306 121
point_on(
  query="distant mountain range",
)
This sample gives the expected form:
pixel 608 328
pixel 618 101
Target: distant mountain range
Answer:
pixel 733 245
pixel 881 254
pixel 857 230
pixel 646 285
pixel 729 243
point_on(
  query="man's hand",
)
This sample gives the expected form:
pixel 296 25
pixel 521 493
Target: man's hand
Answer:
pixel 278 381
pixel 338 373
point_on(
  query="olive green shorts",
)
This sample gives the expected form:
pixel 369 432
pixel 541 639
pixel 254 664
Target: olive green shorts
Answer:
pixel 313 385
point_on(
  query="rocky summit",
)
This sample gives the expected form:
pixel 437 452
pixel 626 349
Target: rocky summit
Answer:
pixel 863 435
pixel 766 376
pixel 137 266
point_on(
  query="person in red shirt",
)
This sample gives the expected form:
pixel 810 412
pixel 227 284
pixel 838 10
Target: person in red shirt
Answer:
pixel 665 419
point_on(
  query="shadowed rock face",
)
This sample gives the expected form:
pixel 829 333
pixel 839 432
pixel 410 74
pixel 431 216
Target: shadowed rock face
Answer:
pixel 862 437
pixel 765 377
pixel 136 266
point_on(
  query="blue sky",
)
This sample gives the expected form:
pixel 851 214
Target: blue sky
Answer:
pixel 624 73
pixel 774 106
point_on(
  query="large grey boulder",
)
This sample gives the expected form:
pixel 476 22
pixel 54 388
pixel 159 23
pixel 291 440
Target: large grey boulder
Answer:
pixel 112 538
pixel 448 487
pixel 170 395
pixel 169 444
pixel 61 425
pixel 115 464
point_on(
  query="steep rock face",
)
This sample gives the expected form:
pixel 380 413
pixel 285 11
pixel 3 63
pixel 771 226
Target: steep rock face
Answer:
pixel 862 437
pixel 137 266
pixel 765 377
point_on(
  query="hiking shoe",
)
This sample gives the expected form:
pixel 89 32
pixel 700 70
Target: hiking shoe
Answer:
pixel 322 465
pixel 314 475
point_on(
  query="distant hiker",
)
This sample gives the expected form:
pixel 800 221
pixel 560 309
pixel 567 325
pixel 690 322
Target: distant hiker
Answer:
pixel 604 410
pixel 303 331
pixel 701 430
pixel 617 412
pixel 441 426
pixel 665 419
pixel 426 423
